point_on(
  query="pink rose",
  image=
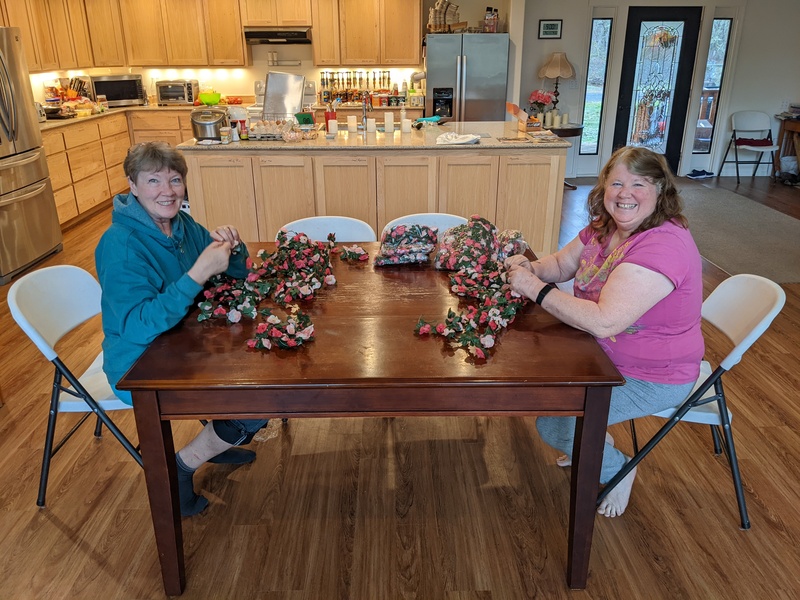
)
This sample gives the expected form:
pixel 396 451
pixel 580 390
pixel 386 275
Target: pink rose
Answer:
pixel 262 327
pixel 440 328
pixel 220 311
pixel 425 329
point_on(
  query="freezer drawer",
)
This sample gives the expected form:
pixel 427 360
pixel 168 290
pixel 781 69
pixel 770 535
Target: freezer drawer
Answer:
pixel 21 170
pixel 29 228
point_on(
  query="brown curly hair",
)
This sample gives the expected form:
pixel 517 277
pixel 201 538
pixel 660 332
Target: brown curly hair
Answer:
pixel 645 163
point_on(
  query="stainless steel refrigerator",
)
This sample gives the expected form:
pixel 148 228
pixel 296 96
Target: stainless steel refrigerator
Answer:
pixel 466 76
pixel 29 228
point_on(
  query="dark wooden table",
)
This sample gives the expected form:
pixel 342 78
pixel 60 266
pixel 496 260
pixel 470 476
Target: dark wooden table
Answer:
pixel 367 362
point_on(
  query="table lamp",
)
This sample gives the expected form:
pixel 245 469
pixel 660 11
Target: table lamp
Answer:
pixel 557 66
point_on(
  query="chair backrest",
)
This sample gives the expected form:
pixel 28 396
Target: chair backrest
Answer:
pixel 50 302
pixel 750 120
pixel 743 307
pixel 441 221
pixel 346 229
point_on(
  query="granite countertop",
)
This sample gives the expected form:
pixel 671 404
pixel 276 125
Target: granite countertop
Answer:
pixel 494 135
pixel 56 123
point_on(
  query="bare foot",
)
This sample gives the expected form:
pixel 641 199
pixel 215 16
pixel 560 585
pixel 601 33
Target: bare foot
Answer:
pixel 565 461
pixel 616 502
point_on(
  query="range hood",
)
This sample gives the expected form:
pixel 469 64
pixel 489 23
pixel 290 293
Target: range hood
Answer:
pixel 277 35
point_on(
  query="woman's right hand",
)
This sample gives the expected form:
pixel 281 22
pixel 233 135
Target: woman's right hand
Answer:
pixel 212 261
pixel 517 260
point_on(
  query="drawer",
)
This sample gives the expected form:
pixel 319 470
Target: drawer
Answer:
pixel 53 142
pixel 85 161
pixel 117 182
pixel 58 165
pixel 79 134
pixel 164 120
pixel 92 191
pixel 112 125
pixel 66 207
pixel 115 148
pixel 186 121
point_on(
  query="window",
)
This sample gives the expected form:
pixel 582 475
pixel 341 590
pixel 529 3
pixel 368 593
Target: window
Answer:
pixel 599 46
pixel 712 82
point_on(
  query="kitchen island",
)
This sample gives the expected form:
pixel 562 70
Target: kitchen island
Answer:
pixel 509 177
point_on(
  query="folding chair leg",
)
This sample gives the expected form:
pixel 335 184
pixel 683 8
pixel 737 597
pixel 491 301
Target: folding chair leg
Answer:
pixel 758 163
pixel 634 439
pixel 48 440
pixel 715 439
pixel 736 157
pixel 733 461
pixel 98 428
pixel 725 156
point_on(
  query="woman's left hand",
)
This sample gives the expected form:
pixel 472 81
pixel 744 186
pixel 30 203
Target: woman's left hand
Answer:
pixel 227 233
pixel 524 282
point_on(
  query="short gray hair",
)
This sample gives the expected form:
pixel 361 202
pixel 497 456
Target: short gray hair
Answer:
pixel 153 156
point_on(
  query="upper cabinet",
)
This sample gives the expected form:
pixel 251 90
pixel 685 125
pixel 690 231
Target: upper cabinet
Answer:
pixel 274 13
pixel 367 32
pixel 68 20
pixel 33 19
pixel 182 32
pixel 105 30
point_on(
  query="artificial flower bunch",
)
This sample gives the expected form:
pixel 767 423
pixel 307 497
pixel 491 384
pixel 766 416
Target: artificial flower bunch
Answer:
pixel 290 333
pixel 476 254
pixel 232 299
pixel 353 253
pixel 540 99
pixel 403 244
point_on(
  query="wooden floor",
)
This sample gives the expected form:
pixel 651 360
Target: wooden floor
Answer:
pixel 410 508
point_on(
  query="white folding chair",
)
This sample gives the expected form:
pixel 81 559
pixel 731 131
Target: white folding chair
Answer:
pixel 47 304
pixel 742 307
pixel 346 229
pixel 441 221
pixel 750 130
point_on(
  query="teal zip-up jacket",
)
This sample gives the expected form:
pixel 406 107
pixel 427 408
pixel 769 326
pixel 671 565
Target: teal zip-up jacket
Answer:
pixel 143 273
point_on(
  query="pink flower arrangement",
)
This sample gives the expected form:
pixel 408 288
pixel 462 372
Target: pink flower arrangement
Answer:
pixel 539 99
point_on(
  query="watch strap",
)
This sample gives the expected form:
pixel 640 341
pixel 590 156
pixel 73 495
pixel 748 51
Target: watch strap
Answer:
pixel 548 287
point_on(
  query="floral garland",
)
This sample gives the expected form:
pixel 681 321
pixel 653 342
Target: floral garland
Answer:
pixel 294 272
pixel 354 252
pixel 479 274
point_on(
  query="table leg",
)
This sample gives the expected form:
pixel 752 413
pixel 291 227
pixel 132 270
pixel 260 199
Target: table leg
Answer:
pixel 587 458
pixel 158 455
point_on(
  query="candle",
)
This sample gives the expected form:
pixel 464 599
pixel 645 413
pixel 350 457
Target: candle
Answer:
pixel 405 126
pixel 370 125
pixel 352 124
pixel 548 119
pixel 388 122
pixel 333 126
pixel 564 118
pixel 556 120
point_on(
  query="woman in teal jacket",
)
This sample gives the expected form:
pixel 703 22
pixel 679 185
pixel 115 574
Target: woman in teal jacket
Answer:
pixel 152 263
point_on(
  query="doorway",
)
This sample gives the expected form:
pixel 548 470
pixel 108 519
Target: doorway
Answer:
pixel 657 68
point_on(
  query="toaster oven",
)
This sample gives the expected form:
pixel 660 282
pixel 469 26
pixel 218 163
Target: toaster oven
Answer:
pixel 177 91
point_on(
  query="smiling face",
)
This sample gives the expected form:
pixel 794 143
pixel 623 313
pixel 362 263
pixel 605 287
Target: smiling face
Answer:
pixel 160 193
pixel 629 198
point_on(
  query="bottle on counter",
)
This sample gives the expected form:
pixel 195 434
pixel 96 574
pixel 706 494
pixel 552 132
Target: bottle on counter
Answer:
pixel 487 20
pixel 402 111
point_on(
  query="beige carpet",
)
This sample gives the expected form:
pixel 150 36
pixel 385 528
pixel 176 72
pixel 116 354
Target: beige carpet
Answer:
pixel 742 236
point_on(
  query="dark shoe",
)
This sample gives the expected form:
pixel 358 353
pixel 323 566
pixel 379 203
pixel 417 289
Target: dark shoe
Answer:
pixel 708 174
pixel 234 456
pixel 695 174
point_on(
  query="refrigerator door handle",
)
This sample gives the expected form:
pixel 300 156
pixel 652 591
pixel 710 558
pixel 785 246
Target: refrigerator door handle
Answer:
pixel 463 108
pixel 25 196
pixel 6 99
pixel 18 162
pixel 457 91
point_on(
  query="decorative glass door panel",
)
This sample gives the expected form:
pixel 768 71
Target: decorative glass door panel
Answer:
pixel 657 67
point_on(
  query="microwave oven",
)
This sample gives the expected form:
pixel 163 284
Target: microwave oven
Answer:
pixel 120 90
pixel 177 91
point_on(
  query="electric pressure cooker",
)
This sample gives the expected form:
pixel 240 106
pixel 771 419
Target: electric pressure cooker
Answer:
pixel 207 122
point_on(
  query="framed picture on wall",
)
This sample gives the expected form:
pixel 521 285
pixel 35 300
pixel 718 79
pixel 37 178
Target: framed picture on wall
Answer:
pixel 550 29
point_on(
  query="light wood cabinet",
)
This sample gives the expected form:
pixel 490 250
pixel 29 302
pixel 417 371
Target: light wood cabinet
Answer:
pixel 85 163
pixel 406 185
pixel 523 182
pixel 79 27
pixel 184 25
pixel 367 32
pixel 325 41
pixel 105 30
pixel 346 186
pixel 270 13
pixel 226 185
pixel 67 58
pixel 468 185
pixel 279 177
pixel 33 19
pixel 224 35
pixel 142 24
pixel 151 125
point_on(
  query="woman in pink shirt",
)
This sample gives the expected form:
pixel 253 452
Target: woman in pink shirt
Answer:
pixel 638 289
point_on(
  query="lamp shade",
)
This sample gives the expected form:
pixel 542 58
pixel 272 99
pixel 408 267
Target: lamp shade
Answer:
pixel 557 66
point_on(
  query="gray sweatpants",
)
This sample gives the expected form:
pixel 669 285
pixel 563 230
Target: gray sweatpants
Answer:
pixel 635 399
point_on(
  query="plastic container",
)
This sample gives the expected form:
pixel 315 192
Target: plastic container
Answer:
pixel 83 112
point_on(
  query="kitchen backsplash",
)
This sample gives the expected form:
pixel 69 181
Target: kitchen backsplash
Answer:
pixel 296 59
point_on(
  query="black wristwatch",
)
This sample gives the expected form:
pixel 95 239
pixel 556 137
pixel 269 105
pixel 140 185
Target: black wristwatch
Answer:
pixel 548 287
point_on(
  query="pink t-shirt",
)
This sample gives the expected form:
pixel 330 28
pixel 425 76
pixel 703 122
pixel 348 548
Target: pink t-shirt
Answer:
pixel 666 344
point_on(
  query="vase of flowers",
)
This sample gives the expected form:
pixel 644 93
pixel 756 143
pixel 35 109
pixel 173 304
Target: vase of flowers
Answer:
pixel 539 100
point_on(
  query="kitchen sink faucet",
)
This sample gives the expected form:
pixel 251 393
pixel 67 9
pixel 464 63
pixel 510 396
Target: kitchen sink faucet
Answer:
pixel 366 106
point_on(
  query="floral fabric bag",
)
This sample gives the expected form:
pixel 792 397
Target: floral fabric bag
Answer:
pixel 405 244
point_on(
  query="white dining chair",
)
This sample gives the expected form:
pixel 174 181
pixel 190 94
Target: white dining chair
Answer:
pixel 742 307
pixel 346 229
pixel 751 130
pixel 442 221
pixel 47 304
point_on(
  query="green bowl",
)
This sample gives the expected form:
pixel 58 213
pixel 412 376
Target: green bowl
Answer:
pixel 208 98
